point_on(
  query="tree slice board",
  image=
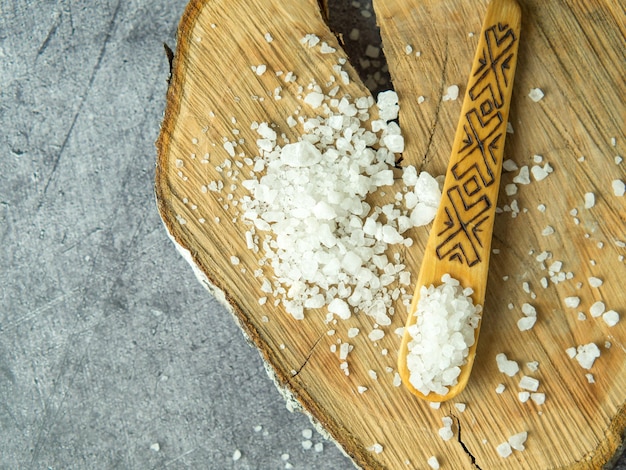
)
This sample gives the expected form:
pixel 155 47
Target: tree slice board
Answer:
pixel 574 52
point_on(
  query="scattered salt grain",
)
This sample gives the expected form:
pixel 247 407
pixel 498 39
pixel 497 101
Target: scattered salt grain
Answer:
pixel 433 462
pixel 619 187
pixel 536 94
pixel 610 317
pixel 361 389
pixel 376 334
pixel 594 281
pixel 586 354
pixel 460 406
pixel 538 398
pixel 523 176
pixel 319 447
pixel 529 383
pixel 234 260
pixel 517 441
pixel 307 444
pixel 236 455
pixel 590 378
pixel 504 450
pixel 155 447
pixel 442 335
pixel 526 323
pixel 572 302
pixel 506 366
pixel 510 189
pixel 352 332
pixel 597 309
pixel 452 93
pixel 590 200
pixel 523 397
pixel 509 165
pixel 538 172
pixel 377 448
pixel 446 431
pixel 571 352
pixel 500 388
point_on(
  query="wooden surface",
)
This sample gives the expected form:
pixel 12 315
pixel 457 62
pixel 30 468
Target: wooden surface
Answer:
pixel 572 51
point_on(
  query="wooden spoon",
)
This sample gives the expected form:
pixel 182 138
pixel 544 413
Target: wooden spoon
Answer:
pixel 460 239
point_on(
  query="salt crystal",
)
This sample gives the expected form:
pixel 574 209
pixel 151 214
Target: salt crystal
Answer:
pixel 594 281
pixel 526 323
pixel 510 189
pixel 500 388
pixel 619 187
pixel 572 302
pixel 236 455
pixel 340 308
pixel 538 398
pixel 307 444
pixel 506 366
pixel 597 309
pixel 460 406
pixel 452 93
pixel 509 165
pixel 445 433
pixel 529 310
pixel 610 317
pixel 352 332
pixel 433 462
pixel 504 449
pixel 523 397
pixel 536 94
pixel 590 378
pixel 377 448
pixel 590 200
pixel 538 173
pixel 523 176
pixel 586 354
pixel 376 334
pixel 571 352
pixel 319 447
pixel 529 383
pixel 517 441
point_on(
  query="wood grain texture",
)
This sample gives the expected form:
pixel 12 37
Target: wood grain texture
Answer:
pixel 572 50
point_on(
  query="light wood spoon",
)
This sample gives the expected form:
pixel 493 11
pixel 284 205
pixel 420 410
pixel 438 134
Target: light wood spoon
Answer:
pixel 460 238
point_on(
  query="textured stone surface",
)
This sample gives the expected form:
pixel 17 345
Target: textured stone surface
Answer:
pixel 111 353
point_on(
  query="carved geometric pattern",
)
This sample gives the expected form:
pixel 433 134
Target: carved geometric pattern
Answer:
pixel 465 203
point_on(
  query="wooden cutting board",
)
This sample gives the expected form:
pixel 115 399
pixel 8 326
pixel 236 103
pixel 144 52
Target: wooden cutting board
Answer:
pixel 574 52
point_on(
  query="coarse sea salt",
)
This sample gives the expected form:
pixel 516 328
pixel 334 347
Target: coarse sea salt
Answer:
pixel 585 354
pixel 442 335
pixel 326 245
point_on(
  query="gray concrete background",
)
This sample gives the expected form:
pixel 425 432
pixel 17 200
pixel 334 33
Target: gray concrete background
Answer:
pixel 111 353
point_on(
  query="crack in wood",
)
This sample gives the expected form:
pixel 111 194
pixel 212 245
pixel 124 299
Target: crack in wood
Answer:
pixel 306 360
pixel 465 449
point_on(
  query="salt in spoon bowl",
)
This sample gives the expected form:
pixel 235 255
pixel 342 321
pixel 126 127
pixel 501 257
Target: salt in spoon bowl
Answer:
pixel 459 243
